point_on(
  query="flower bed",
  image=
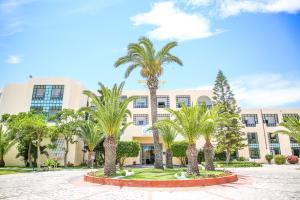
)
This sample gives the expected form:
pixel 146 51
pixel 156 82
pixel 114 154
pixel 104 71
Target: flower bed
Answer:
pixel 215 180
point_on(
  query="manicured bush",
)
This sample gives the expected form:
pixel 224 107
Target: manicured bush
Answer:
pixel 269 158
pixel 279 159
pixel 234 164
pixel 127 149
pixel 241 158
pixel 292 159
pixel 179 151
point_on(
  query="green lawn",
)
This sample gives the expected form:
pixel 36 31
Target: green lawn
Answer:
pixel 157 174
pixel 12 171
pixel 236 164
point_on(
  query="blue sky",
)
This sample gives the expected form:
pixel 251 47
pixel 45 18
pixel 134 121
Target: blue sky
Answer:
pixel 255 43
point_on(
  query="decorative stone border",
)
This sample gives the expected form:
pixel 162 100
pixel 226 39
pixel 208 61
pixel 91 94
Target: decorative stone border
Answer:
pixel 162 183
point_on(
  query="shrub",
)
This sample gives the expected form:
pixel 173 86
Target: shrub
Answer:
pixel 279 159
pixel 269 158
pixel 220 156
pixel 126 149
pixel 179 151
pixel 241 158
pixel 51 163
pixel 292 159
pixel 200 156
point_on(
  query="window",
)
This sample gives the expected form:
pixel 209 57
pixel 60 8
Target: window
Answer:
pixel 47 98
pixel 141 102
pixel 253 145
pixel 183 100
pixel 163 116
pixel 163 102
pixel 140 119
pixel 39 92
pixel 293 115
pixel 254 153
pixel 206 100
pixel 53 110
pixel 252 138
pixel 250 120
pixel 122 98
pixel 274 143
pixel 57 92
pixel 270 120
pixel 37 109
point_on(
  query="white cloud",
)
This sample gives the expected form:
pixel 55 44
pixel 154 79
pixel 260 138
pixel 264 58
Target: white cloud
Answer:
pixel 263 90
pixel 172 23
pixel 14 59
pixel 198 3
pixel 266 90
pixel 234 7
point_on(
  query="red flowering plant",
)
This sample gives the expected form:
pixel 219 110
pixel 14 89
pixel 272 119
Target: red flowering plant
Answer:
pixel 292 159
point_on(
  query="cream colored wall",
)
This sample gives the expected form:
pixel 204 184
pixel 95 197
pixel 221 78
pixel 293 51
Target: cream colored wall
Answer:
pixel 17 98
pixel 262 131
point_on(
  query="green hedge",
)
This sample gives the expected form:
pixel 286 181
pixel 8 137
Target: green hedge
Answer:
pixel 238 164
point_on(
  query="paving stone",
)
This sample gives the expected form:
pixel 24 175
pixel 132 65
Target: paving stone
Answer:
pixel 268 182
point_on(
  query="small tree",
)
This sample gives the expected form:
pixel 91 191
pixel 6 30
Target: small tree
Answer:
pixel 179 151
pixel 127 149
pixel 229 135
pixel 168 134
pixel 5 144
pixel 92 135
pixel 67 123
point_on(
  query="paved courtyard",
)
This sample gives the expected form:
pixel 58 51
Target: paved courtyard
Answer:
pixel 268 182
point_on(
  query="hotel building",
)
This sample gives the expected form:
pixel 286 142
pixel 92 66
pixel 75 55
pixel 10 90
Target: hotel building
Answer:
pixel 52 95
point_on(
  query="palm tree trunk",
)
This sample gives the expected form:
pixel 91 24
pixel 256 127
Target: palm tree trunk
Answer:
pixel 153 85
pixel 29 160
pixel 227 155
pixel 66 153
pixel 110 147
pixel 169 158
pixel 192 155
pixel 209 156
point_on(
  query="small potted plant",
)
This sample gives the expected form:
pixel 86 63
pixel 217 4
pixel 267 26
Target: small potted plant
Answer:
pixel 279 159
pixel 292 159
pixel 269 158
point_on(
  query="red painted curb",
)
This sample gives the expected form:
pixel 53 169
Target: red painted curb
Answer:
pixel 162 183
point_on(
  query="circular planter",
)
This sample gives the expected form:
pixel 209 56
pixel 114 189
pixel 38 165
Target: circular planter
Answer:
pixel 162 183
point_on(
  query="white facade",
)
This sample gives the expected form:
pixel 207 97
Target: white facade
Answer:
pixel 17 98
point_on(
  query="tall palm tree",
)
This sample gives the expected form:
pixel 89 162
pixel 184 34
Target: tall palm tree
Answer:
pixel 5 144
pixel 168 134
pixel 109 114
pixel 91 135
pixel 187 123
pixel 292 125
pixel 208 123
pixel 151 63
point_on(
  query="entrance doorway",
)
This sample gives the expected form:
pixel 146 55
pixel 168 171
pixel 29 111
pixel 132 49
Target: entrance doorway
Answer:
pixel 147 151
pixel 296 151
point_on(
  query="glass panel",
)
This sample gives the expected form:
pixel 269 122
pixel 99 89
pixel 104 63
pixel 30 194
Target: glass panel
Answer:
pixel 148 156
pixel 141 102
